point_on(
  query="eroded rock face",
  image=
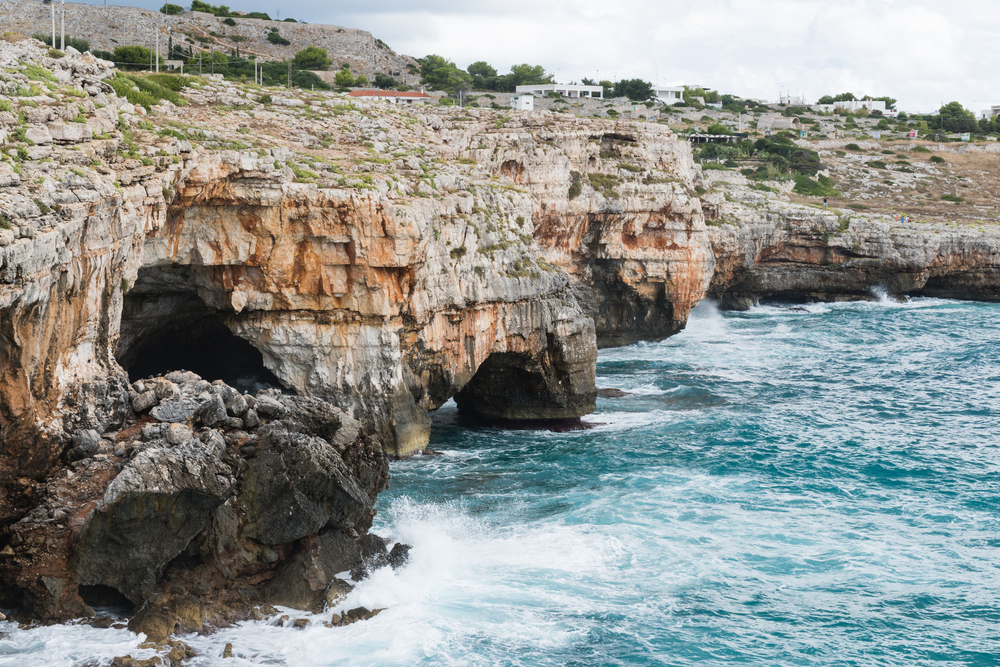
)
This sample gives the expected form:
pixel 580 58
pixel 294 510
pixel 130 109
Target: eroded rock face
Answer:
pixel 801 254
pixel 218 510
pixel 617 208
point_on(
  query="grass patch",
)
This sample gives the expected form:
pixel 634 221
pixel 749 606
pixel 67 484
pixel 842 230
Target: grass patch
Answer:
pixel 921 149
pixel 953 198
pixel 606 184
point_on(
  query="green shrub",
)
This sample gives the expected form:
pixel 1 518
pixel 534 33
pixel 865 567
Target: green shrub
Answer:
pixel 5 222
pixel 170 9
pixel 575 188
pixel 80 45
pixel 876 164
pixel 807 186
pixel 606 184
pixel 56 53
pixel 953 198
pixel 275 38
pixel 937 158
pixel 853 147
pixel 921 149
pixel 228 21
pixel 266 99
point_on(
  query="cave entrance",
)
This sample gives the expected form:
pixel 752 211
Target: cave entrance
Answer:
pixel 166 326
pixel 106 598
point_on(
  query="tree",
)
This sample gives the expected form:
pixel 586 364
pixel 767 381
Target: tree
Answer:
pixel 954 118
pixel 717 128
pixel 199 6
pixel 170 9
pixel 440 74
pixel 312 58
pixel 344 78
pixel 484 75
pixel 843 97
pixel 527 75
pixel 132 57
pixel 385 81
pixel 636 90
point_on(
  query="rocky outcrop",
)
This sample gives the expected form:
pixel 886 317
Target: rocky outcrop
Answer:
pixel 324 289
pixel 769 249
pixel 225 495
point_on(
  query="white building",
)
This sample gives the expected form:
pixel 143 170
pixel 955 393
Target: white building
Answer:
pixel 572 91
pixel 852 106
pixel 669 95
pixel 524 102
pixel 392 96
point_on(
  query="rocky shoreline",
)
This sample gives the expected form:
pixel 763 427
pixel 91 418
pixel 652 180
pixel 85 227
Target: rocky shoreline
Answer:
pixel 351 276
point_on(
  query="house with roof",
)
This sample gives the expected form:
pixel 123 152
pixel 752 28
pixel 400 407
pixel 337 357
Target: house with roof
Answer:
pixel 392 96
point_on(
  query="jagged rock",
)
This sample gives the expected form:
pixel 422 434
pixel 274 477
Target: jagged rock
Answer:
pixel 180 410
pixel 84 443
pixel 69 133
pixel 178 434
pixel 236 406
pixel 38 134
pixel 305 580
pixel 212 411
pixel 144 401
pixel 148 515
pixel 296 484
pixel 399 555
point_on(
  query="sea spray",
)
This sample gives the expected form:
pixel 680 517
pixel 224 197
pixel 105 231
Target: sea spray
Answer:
pixel 810 485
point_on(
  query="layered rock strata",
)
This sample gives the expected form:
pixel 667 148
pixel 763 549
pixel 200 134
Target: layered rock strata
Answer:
pixel 331 272
pixel 766 248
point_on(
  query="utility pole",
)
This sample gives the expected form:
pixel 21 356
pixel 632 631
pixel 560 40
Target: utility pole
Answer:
pixel 157 51
pixel 53 42
pixel 288 83
pixel 199 63
pixel 213 60
pixel 63 40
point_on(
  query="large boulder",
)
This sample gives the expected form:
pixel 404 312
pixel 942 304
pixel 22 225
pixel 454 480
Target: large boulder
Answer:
pixel 304 580
pixel 148 515
pixel 298 483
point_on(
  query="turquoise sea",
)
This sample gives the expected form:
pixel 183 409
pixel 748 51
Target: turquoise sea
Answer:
pixel 814 485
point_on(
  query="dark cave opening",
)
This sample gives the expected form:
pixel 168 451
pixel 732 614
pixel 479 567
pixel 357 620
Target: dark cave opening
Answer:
pixel 206 347
pixel 100 596
pixel 167 326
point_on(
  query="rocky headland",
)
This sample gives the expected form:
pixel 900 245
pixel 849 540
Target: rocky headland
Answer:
pixel 221 318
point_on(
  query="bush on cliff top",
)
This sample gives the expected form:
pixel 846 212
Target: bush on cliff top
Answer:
pixel 818 188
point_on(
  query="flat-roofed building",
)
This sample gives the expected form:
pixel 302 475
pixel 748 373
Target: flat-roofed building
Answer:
pixel 571 90
pixel 392 96
pixel 669 95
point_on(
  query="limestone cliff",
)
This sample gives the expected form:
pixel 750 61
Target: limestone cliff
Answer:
pixel 331 272
pixel 768 248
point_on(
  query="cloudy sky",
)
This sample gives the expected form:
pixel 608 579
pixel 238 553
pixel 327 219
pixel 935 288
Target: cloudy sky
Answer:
pixel 922 53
